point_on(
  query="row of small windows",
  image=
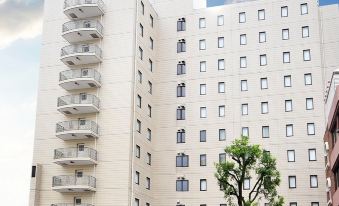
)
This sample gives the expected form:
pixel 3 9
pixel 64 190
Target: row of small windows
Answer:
pixel 288 127
pixel 181 135
pixel 181 23
pixel 142 10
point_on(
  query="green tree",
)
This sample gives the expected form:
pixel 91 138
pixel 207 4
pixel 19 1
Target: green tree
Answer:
pixel 249 161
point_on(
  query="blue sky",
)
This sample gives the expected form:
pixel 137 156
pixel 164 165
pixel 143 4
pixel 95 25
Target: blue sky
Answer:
pixel 19 56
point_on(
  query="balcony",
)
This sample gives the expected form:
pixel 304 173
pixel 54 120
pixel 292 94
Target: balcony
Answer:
pixel 80 9
pixel 74 184
pixel 81 54
pixel 78 104
pixel 79 79
pixel 75 156
pixel 82 30
pixel 71 204
pixel 77 129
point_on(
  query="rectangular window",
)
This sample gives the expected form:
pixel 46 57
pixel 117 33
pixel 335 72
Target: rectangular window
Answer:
pixel 222 158
pixel 151 43
pixel 288 106
pixel 313 181
pixel 148 183
pixel 222 134
pixel 181 46
pixel 221 42
pixel 181 68
pixel 263 83
pixel 293 204
pixel 202 89
pixel 181 113
pixel 261 14
pixel 137 151
pixel 181 24
pixel 287 81
pixel 262 37
pixel 202 135
pixel 243 84
pixel 139 76
pixel 181 90
pixel 308 79
pixel 284 11
pixel 141 53
pixel 314 203
pixel 139 101
pixel 247 184
pixel 149 110
pixel 245 131
pixel 203 160
pixel 151 20
pixel 286 57
pixel 136 202
pixel 305 32
pixel 222 111
pixel 242 17
pixel 291 155
pixel 149 159
pixel 203 112
pixel 221 87
pixel 221 64
pixel 309 104
pixel 243 62
pixel 181 136
pixel 182 185
pixel 285 34
pixel 33 173
pixel 142 8
pixel 244 109
pixel 304 9
pixel 307 55
pixel 202 23
pixel 310 129
pixel 203 185
pixel 264 107
pixel 150 65
pixel 141 30
pixel 137 178
pixel 265 132
pixel 292 182
pixel 220 20
pixel 289 130
pixel 263 60
pixel 138 126
pixel 150 87
pixel 243 39
pixel 202 44
pixel 182 160
pixel 203 66
pixel 312 155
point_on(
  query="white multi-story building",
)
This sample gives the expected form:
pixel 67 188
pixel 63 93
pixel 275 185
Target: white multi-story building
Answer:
pixel 139 104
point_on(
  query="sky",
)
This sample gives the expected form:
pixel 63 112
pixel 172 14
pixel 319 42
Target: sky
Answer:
pixel 20 32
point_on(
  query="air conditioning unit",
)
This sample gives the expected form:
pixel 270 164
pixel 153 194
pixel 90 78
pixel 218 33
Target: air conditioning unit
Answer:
pixel 181 107
pixel 181 130
pixel 182 62
pixel 182 40
pixel 327 147
pixel 181 84
pixel 181 19
pixel 181 178
pixel 180 153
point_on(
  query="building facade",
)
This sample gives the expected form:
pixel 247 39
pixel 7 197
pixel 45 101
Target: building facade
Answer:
pixel 137 100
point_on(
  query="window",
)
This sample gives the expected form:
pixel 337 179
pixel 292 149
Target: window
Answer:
pixel 142 8
pixel 288 106
pixel 243 84
pixel 221 64
pixel 261 14
pixel 181 68
pixel 285 34
pixel 304 9
pixel 141 30
pixel 291 155
pixel 136 202
pixel 221 42
pixel 141 53
pixel 137 151
pixel 138 126
pixel 203 185
pixel 150 87
pixel 203 160
pixel 220 20
pixel 313 181
pixel 151 43
pixel 202 44
pixel 312 155
pixel 305 32
pixel 310 129
pixel 181 24
pixel 222 134
pixel 309 104
pixel 181 46
pixel 265 132
pixel 149 110
pixel 264 107
pixel 308 79
pixel 181 90
pixel 202 89
pixel 203 66
pixel 284 11
pixel 181 136
pixel 289 130
pixel 33 174
pixel 151 19
pixel 247 184
pixel 202 23
pixel 150 65
pixel 148 183
pixel 243 62
pixel 244 109
pixel 139 101
pixel 263 60
pixel 182 160
pixel 307 55
pixel 245 131
pixel 137 177
pixel 139 76
pixel 149 159
pixel 181 113
pixel 242 17
pixel 293 204
pixel 182 185
pixel 287 81
pixel 243 39
pixel 203 112
pixel 286 57
pixel 263 83
pixel 262 37
pixel 221 87
pixel 314 203
pixel 222 158
pixel 202 135
pixel 222 111
pixel 292 182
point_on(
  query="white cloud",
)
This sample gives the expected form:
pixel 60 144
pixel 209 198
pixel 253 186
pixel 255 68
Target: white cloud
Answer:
pixel 21 19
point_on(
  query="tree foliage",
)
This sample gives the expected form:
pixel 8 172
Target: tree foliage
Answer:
pixel 249 161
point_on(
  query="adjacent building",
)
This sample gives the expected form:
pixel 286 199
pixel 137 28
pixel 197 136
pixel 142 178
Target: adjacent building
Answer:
pixel 137 100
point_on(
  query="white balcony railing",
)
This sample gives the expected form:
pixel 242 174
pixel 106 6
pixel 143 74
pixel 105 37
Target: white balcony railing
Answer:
pixel 68 180
pixel 77 125
pixel 78 99
pixel 74 3
pixel 81 49
pixel 73 153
